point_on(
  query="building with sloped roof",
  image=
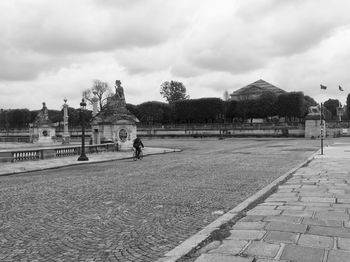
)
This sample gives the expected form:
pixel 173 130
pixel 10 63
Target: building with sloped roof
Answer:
pixel 255 90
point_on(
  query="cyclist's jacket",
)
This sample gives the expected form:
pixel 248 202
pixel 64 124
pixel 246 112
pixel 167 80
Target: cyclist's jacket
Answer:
pixel 137 143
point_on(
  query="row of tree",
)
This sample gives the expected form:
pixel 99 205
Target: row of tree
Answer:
pixel 22 118
pixel 181 109
pixel 291 106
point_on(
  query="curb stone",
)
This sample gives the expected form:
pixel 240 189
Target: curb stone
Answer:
pixel 190 245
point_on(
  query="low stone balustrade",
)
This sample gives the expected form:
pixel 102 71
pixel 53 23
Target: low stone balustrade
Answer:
pixel 26 154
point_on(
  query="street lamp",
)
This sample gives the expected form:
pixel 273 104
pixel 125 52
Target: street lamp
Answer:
pixel 82 156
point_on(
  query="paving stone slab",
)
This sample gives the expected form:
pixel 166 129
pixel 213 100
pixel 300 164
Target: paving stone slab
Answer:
pixel 335 215
pixel 318 199
pixel 275 203
pixel 269 260
pixel 283 219
pixel 262 249
pixel 286 227
pixel 311 204
pixel 230 247
pixel 285 190
pixel 316 241
pixel 344 243
pixel 341 205
pixel 264 207
pixel 284 194
pixel 315 194
pixel 336 191
pixel 329 209
pixel 222 258
pixel 302 254
pixel 296 213
pixel 322 222
pixel 286 185
pixel 344 196
pixel 329 231
pixel 259 212
pixel 282 199
pixel 249 225
pixel 287 207
pixel 343 200
pixel 252 218
pixel 281 237
pixel 247 234
pixel 338 256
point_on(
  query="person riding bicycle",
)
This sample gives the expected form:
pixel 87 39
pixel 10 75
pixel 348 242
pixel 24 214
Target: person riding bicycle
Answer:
pixel 137 145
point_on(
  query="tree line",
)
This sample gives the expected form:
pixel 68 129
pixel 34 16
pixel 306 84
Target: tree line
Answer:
pixel 291 106
pixel 181 109
pixel 22 118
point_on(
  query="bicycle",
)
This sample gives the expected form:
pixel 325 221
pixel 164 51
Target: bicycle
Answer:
pixel 140 156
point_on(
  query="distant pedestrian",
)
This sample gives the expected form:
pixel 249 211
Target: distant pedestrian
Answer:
pixel 137 145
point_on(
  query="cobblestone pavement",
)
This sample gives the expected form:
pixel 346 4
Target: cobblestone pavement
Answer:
pixel 137 210
pixel 306 220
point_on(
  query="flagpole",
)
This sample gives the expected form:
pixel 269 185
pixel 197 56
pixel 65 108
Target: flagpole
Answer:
pixel 321 131
pixel 321 121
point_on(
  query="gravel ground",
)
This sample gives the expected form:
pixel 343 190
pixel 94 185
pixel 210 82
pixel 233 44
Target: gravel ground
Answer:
pixel 136 210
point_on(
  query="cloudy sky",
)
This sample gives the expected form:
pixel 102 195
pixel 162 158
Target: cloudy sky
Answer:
pixel 52 49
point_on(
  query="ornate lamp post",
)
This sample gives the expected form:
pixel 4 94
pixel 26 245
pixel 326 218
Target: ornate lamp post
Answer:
pixel 82 156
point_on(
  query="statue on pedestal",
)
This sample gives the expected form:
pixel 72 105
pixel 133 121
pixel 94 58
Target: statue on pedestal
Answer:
pixel 119 92
pixel 314 110
pixel 114 123
pixel 42 129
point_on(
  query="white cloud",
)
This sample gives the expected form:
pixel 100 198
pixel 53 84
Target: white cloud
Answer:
pixel 54 49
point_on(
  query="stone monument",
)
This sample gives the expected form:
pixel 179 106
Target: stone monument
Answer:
pixel 313 123
pixel 114 123
pixel 65 135
pixel 42 129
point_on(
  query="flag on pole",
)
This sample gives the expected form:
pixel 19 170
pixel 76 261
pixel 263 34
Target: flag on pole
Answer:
pixel 323 87
pixel 340 88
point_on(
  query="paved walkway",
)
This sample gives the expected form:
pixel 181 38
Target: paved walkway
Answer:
pixel 306 219
pixel 27 166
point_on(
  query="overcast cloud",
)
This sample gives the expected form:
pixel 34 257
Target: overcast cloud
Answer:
pixel 50 50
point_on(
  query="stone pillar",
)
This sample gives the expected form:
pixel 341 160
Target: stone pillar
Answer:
pixel 94 105
pixel 65 136
pixel 95 128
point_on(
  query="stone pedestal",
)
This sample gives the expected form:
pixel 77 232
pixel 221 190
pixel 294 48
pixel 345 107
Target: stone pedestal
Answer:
pixel 43 134
pixel 114 123
pixel 313 128
pixel 42 130
pixel 122 133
